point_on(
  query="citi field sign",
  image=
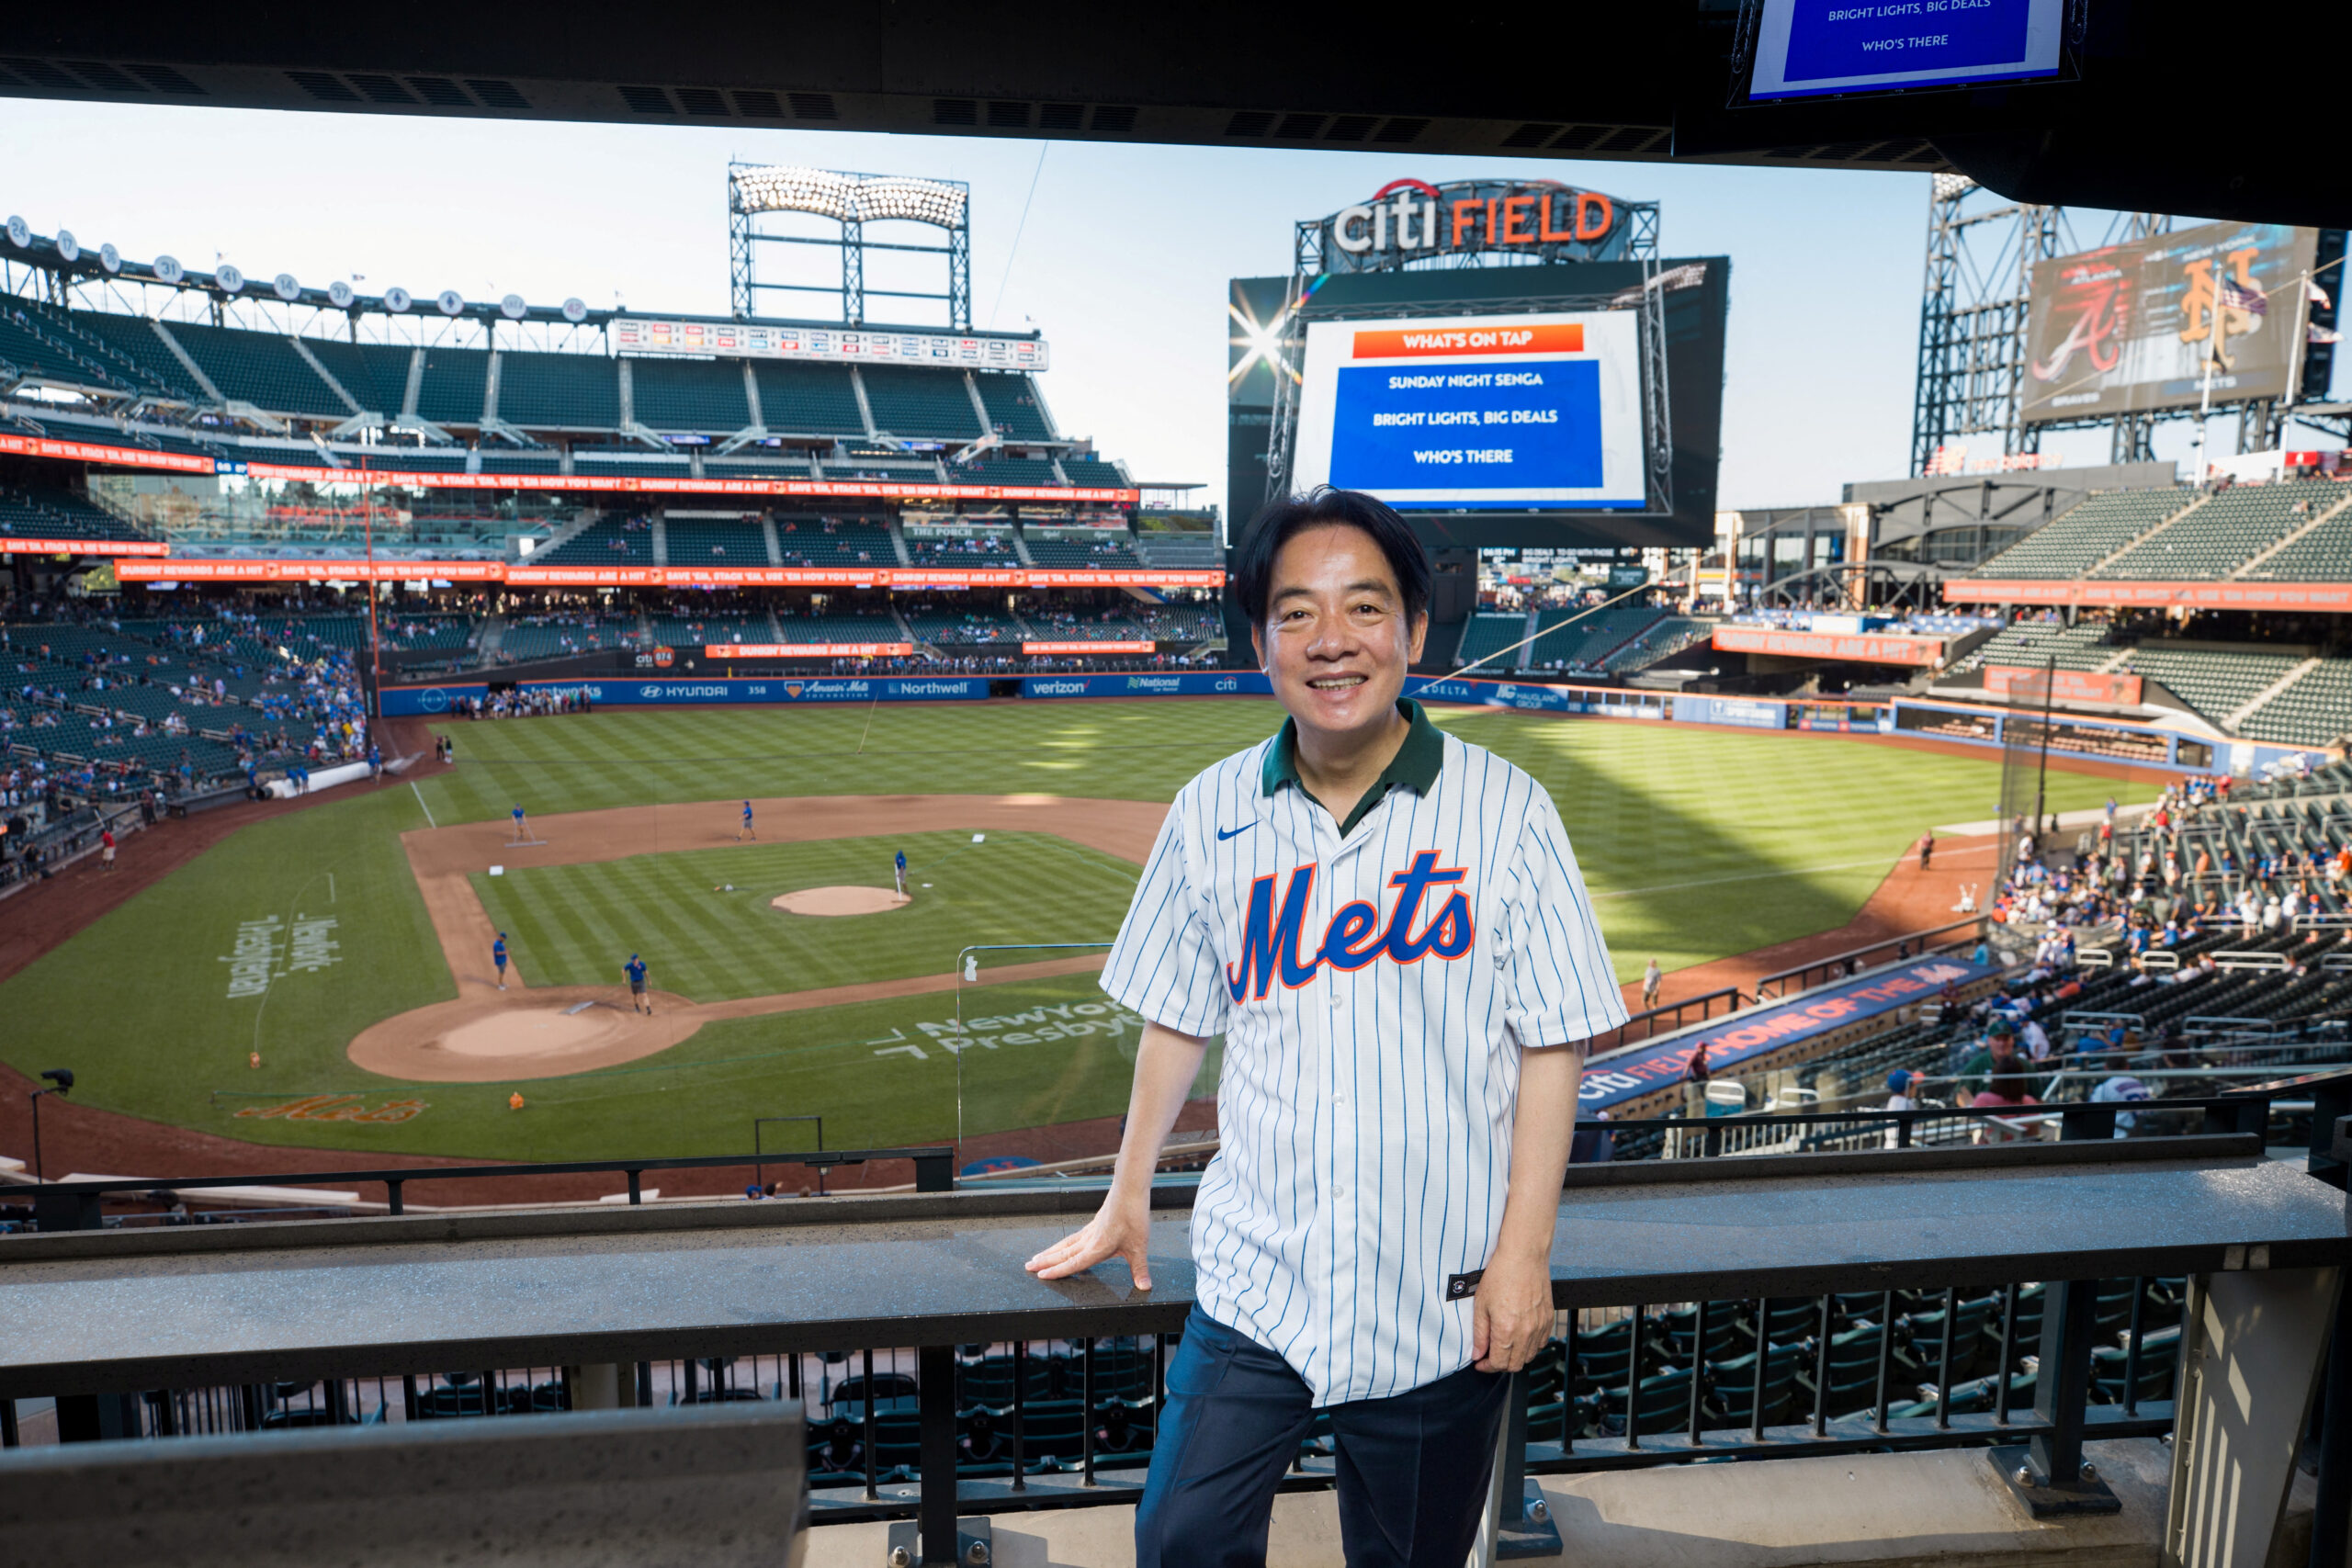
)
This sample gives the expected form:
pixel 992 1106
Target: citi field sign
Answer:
pixel 1411 219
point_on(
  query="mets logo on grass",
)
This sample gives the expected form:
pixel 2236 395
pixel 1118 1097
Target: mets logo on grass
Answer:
pixel 1270 943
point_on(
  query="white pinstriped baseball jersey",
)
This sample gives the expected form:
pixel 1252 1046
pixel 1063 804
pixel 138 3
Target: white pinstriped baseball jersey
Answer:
pixel 1374 989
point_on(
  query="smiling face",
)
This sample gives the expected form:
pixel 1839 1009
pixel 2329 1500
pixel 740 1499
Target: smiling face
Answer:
pixel 1337 642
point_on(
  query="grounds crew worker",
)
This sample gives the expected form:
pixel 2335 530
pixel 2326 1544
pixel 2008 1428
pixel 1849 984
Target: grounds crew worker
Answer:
pixel 1390 928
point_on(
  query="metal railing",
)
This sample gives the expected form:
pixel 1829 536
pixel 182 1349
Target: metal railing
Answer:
pixel 1665 1020
pixel 75 1205
pixel 1776 986
pixel 1913 1348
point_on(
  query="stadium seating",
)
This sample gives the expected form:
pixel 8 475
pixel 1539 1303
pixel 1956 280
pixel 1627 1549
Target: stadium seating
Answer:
pixel 374 374
pixel 1093 472
pixel 2215 685
pixel 990 548
pixel 642 462
pixel 134 340
pixel 1013 405
pixel 1488 635
pixel 2224 533
pixel 2323 555
pixel 768 465
pixel 33 355
pixel 700 626
pixel 689 394
pixel 807 399
pixel 563 635
pixel 1103 548
pixel 1004 471
pixel 456 382
pixel 2033 644
pixel 260 369
pixel 2079 538
pixel 837 628
pixel 968 627
pixel 1175 623
pixel 1587 643
pixel 931 405
pixel 2316 711
pixel 1187 552
pixel 1093 627
pixel 816 541
pixel 560 391
pixel 701 541
pixel 521 463
pixel 59 514
pixel 1658 642
pixel 608 541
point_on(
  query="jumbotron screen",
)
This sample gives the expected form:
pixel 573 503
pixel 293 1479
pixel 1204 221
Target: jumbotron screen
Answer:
pixel 1470 413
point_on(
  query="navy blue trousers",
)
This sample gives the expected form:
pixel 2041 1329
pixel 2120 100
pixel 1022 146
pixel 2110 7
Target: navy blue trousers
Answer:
pixel 1413 1468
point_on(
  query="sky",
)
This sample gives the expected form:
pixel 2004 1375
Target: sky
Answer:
pixel 1119 254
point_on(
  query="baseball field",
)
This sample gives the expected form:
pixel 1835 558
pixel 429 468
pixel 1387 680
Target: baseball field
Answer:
pixel 346 948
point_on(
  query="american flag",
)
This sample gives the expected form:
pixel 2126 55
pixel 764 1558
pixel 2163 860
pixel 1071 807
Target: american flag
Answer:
pixel 2236 296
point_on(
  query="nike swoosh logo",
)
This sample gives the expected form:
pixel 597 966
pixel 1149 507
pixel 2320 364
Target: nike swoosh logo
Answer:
pixel 1223 834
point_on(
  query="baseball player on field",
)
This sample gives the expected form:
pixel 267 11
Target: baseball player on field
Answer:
pixel 635 971
pixel 746 830
pixel 1388 927
pixel 899 870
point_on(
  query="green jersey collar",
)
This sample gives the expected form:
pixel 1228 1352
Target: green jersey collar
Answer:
pixel 1415 767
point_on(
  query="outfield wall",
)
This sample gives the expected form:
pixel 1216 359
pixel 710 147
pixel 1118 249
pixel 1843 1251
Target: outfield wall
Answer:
pixel 2114 741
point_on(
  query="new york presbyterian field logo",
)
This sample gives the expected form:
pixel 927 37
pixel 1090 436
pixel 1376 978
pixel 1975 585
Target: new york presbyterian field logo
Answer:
pixel 1270 943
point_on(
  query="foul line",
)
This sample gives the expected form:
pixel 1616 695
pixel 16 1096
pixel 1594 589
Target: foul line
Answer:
pixel 426 809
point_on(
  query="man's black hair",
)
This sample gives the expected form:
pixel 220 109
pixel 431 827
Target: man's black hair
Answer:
pixel 1253 563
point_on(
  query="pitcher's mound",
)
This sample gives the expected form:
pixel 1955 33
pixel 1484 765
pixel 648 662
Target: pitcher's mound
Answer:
pixel 837 901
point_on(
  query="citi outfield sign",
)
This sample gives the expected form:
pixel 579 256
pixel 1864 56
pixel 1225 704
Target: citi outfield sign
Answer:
pixel 1410 217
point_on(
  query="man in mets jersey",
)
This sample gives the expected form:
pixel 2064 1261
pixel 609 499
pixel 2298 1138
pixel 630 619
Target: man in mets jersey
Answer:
pixel 1390 930
pixel 638 1000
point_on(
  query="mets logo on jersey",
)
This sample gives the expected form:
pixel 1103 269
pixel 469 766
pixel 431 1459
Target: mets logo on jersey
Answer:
pixel 1270 943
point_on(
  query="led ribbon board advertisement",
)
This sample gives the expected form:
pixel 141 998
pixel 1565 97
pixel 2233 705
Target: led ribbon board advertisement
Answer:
pixel 1805 47
pixel 1476 413
pixel 2131 327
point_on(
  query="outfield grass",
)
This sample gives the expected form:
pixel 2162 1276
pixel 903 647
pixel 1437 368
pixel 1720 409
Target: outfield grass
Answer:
pixel 1697 844
pixel 575 925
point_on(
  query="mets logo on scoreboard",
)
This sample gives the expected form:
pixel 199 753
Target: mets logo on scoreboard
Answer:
pixel 1356 935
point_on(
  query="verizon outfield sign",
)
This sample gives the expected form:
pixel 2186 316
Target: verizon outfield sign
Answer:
pixel 1863 648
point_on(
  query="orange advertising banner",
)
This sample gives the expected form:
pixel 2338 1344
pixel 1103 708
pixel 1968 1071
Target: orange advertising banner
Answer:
pixel 310 571
pixel 1140 647
pixel 2328 596
pixel 807 649
pixel 1410 342
pixel 2069 686
pixel 1864 649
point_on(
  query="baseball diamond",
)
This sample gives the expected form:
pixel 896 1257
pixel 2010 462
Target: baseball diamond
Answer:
pixel 1697 844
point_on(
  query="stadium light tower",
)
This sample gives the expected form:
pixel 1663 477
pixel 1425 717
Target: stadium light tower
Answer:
pixel 852 201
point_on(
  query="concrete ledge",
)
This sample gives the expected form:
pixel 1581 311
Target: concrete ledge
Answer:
pixel 1944 1507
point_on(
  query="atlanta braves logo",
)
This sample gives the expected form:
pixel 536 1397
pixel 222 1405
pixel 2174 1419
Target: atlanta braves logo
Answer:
pixel 1270 943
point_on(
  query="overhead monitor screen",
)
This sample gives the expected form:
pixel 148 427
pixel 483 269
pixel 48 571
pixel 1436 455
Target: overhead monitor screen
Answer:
pixel 1499 412
pixel 1808 47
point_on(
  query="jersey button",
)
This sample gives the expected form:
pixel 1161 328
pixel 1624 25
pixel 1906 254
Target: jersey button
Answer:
pixel 1337 1000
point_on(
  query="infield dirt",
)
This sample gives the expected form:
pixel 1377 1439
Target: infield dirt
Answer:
pixel 491 1035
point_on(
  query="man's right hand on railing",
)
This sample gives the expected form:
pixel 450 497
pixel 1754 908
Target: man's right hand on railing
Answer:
pixel 1166 1065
